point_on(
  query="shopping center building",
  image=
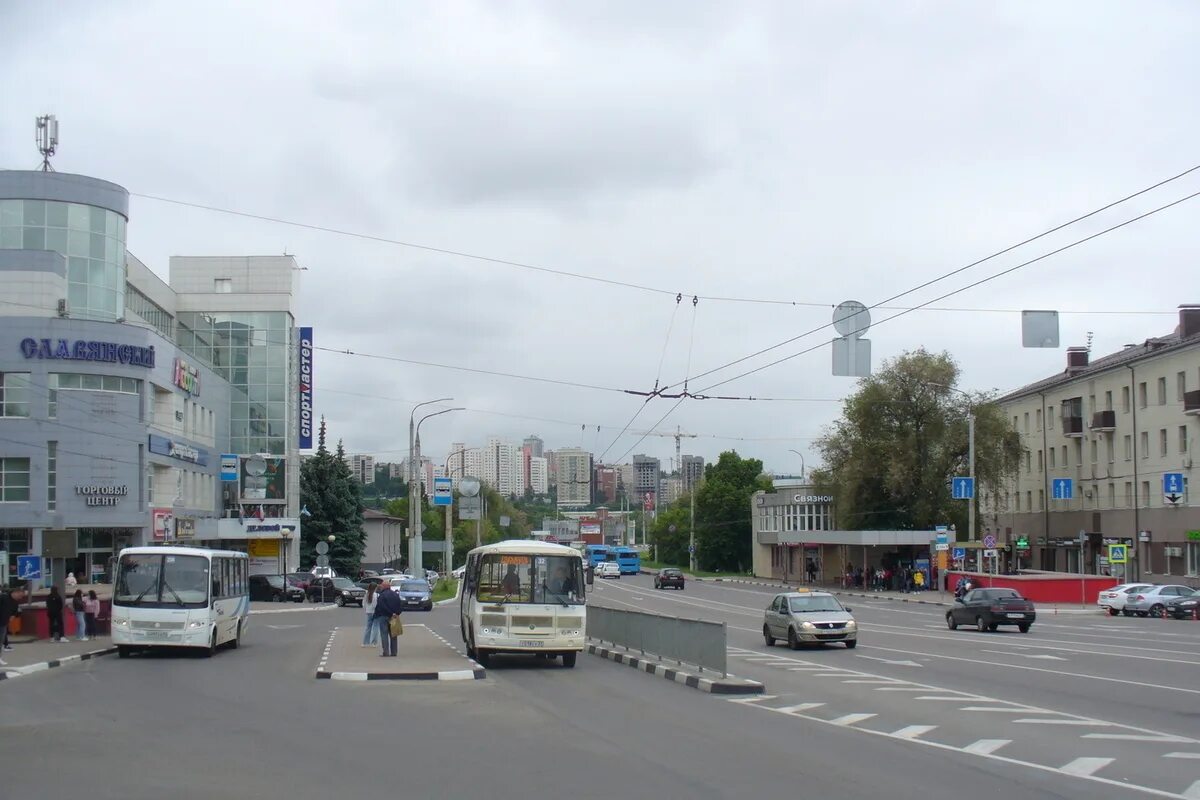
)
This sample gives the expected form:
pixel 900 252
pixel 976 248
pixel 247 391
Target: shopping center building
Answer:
pixel 125 399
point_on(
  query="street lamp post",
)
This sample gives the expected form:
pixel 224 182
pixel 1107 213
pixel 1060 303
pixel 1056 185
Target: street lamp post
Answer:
pixel 414 496
pixel 803 467
pixel 331 539
pixel 970 456
pixel 448 555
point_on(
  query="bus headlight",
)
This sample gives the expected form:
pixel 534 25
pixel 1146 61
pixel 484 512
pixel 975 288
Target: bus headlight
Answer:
pixel 197 623
pixel 120 623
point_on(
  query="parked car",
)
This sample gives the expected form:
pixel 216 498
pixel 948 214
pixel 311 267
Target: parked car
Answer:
pixel 340 590
pixel 367 573
pixel 275 588
pixel 988 609
pixel 415 594
pixel 1185 606
pixel 324 572
pixel 301 579
pixel 669 577
pixel 608 569
pixel 373 579
pixel 1113 600
pixel 806 617
pixel 432 576
pixel 1153 601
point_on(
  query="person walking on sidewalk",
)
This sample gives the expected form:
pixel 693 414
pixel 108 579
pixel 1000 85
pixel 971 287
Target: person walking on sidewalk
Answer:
pixel 91 610
pixel 77 607
pixel 387 605
pixel 54 612
pixel 10 604
pixel 371 632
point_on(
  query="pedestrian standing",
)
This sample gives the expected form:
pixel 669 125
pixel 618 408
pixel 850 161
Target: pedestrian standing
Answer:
pixel 91 610
pixel 10 605
pixel 78 608
pixel 371 632
pixel 54 611
pixel 387 605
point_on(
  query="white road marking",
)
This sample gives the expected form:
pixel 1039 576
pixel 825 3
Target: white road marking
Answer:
pixel 1130 737
pixel 985 747
pixel 1193 791
pixel 851 719
pixel 1193 756
pixel 1000 709
pixel 753 699
pixel 896 662
pixel 800 707
pixel 872 680
pixel 913 731
pixel 284 627
pixel 953 698
pixel 1086 765
pixel 1023 655
pixel 1045 721
pixel 905 689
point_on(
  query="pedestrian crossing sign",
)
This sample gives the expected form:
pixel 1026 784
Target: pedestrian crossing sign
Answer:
pixel 1118 553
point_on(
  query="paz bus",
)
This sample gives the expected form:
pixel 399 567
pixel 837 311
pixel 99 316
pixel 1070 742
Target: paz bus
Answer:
pixel 522 596
pixel 179 597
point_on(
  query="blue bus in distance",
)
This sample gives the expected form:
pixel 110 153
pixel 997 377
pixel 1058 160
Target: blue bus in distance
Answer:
pixel 596 553
pixel 629 560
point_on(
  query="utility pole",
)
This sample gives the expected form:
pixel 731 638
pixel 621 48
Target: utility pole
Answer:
pixel 414 484
pixel 971 458
pixel 692 534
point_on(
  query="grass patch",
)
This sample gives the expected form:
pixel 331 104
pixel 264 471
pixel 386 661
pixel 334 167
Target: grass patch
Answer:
pixel 444 589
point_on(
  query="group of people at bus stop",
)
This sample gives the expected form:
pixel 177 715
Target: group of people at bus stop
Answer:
pixel 86 609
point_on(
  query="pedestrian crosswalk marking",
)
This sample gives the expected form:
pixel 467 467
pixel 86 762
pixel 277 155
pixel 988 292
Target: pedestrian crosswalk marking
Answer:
pixel 1064 721
pixel 800 707
pixel 851 719
pixel 1193 791
pixel 985 747
pixel 1085 765
pixel 1194 756
pixel 913 731
pixel 1135 737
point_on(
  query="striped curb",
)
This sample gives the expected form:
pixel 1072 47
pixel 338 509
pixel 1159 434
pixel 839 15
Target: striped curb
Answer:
pixel 642 664
pixel 291 610
pixel 7 673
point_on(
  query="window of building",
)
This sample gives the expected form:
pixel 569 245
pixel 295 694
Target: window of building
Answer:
pixel 1028 462
pixel 1183 437
pixel 1094 453
pixel 51 476
pixel 1129 493
pixel 1125 399
pixel 14 394
pixel 1192 558
pixel 1050 453
pixel 223 285
pixel 1142 394
pixel 1162 442
pixel 1144 444
pixel 1145 493
pixel 1027 422
pixel 1079 452
pixel 14 480
pixel 1180 386
pixel 1162 391
pixel 1039 419
pixel 1128 447
pixel 94 383
pixel 1112 495
pixel 1014 422
pixel 1041 499
pixel 1065 462
pixel 1029 500
pixel 1050 418
pixel 1108 400
pixel 1110 447
pixel 1041 465
pixel 1017 500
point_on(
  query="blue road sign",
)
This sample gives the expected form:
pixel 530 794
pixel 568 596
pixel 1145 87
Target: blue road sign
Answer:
pixel 1062 488
pixel 958 553
pixel 229 467
pixel 962 488
pixel 942 538
pixel 691 548
pixel 1117 554
pixel 29 568
pixel 1173 487
pixel 443 491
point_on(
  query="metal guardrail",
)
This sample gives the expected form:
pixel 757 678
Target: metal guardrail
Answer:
pixel 688 641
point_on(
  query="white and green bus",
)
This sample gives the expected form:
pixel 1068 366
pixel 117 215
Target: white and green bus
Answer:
pixel 179 597
pixel 523 596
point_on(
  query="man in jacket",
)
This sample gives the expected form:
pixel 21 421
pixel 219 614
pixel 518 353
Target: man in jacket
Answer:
pixel 387 606
pixel 10 604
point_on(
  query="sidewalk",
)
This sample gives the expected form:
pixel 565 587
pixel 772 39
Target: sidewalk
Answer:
pixel 35 656
pixel 423 656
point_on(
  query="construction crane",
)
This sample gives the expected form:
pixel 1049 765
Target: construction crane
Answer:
pixel 678 435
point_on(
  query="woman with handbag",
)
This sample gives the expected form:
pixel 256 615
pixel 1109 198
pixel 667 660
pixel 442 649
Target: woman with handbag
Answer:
pixel 371 632
pixel 387 616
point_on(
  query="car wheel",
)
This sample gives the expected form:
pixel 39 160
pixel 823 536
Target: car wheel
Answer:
pixel 980 625
pixel 950 623
pixel 340 602
pixel 569 659
pixel 483 657
pixel 1156 610
pixel 1023 627
pixel 1112 612
pixel 767 637
pixel 1142 613
pixel 851 644
pixel 793 642
pixel 429 607
pixel 277 598
pixel 656 585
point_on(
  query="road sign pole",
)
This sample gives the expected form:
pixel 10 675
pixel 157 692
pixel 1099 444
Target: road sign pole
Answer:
pixel 971 458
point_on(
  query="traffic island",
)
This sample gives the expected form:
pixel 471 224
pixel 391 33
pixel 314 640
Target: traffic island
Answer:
pixel 30 657
pixel 423 656
pixel 692 678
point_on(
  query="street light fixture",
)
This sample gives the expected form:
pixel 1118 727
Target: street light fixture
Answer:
pixel 803 467
pixel 412 466
pixel 414 495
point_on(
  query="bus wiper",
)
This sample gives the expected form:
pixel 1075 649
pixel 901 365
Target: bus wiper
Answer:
pixel 546 592
pixel 167 586
pixel 138 600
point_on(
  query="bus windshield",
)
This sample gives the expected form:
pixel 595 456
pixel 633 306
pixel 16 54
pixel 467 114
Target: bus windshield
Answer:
pixel 161 581
pixel 523 578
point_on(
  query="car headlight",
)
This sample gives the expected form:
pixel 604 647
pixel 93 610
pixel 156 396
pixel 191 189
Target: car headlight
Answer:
pixel 807 626
pixel 198 623
pixel 346 594
pixel 851 624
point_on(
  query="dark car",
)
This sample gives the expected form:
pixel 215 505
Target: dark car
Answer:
pixel 669 577
pixel 988 609
pixel 340 590
pixel 275 588
pixel 300 579
pixel 1186 607
pixel 415 593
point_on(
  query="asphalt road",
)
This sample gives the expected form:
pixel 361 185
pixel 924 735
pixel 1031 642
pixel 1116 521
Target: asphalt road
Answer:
pixel 1103 701
pixel 255 723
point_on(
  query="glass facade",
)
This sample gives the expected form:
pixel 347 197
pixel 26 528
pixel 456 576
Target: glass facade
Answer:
pixel 91 239
pixel 251 350
pixel 150 311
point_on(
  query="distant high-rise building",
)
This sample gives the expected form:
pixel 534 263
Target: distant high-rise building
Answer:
pixel 692 471
pixel 538 474
pixel 605 480
pixel 646 472
pixel 551 468
pixel 536 446
pixel 362 467
pixel 670 490
pixel 396 470
pixel 574 468
pixel 501 467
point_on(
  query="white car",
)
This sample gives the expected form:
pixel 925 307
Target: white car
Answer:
pixel 1113 600
pixel 458 573
pixel 608 569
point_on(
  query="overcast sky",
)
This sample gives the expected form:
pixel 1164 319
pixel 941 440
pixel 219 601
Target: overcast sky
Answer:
pixel 807 152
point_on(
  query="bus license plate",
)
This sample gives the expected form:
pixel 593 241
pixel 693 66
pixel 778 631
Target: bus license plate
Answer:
pixel 529 643
pixel 156 634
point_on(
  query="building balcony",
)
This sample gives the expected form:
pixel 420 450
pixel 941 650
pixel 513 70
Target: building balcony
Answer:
pixel 1072 426
pixel 1105 421
pixel 1191 402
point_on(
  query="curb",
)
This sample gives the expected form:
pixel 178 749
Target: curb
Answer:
pixel 329 607
pixel 721 686
pixel 476 673
pixel 29 669
pixel 449 600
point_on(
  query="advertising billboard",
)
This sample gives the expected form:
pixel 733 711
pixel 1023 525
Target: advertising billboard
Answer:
pixel 306 388
pixel 263 479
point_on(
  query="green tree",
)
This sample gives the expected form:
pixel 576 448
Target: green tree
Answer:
pixel 669 533
pixel 723 529
pixel 334 502
pixel 902 436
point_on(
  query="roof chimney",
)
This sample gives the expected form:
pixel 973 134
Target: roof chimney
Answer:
pixel 1077 359
pixel 1189 320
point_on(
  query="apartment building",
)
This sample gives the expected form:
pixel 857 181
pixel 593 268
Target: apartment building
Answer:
pixel 1122 431
pixel 574 468
pixel 363 468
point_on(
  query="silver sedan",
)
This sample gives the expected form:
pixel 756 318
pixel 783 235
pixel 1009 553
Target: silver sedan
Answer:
pixel 808 618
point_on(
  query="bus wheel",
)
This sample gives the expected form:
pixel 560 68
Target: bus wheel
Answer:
pixel 211 650
pixel 569 659
pixel 122 651
pixel 483 657
pixel 237 638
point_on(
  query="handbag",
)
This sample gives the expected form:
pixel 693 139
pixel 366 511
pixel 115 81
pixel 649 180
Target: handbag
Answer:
pixel 395 626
